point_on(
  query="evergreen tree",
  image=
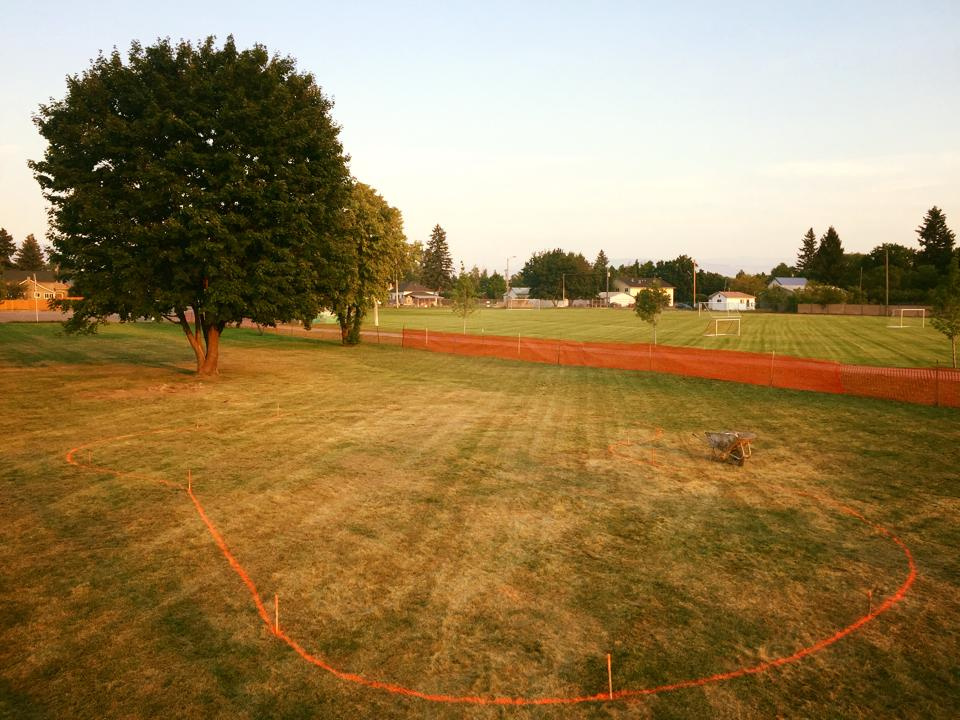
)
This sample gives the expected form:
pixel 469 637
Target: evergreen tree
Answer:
pixel 601 264
pixel 437 268
pixel 808 251
pixel 828 262
pixel 30 255
pixel 7 248
pixel 936 241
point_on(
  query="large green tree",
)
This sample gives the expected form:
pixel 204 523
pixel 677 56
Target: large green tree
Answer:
pixel 808 252
pixel 828 264
pixel 365 254
pixel 192 183
pixel 437 267
pixel 7 248
pixel 936 241
pixel 553 274
pixel 30 255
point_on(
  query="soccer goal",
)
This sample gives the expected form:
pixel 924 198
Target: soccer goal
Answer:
pixel 723 326
pixel 907 317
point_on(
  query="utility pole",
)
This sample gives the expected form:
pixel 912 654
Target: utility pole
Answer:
pixel 886 262
pixel 563 287
pixel 694 283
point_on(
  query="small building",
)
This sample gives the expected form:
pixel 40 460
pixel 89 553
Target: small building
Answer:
pixel 517 297
pixel 413 294
pixel 617 299
pixel 38 284
pixel 790 284
pixel 632 286
pixel 731 301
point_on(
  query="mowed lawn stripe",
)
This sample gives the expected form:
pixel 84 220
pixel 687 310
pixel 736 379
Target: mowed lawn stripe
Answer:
pixel 853 339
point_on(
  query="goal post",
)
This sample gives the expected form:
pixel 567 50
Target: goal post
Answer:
pixel 723 326
pixel 907 317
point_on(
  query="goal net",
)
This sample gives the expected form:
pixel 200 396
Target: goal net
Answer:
pixel 723 326
pixel 908 317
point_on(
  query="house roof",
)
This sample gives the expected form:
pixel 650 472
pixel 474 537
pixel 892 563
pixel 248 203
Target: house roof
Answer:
pixel 518 291
pixel 646 283
pixel 21 275
pixel 734 294
pixel 412 287
pixel 791 281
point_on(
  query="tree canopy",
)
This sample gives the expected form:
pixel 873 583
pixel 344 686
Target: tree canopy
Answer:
pixel 936 241
pixel 649 304
pixel 7 248
pixel 437 267
pixel 366 253
pixel 30 255
pixel 194 184
pixel 554 273
pixel 464 299
pixel 946 310
pixel 808 251
pixel 827 266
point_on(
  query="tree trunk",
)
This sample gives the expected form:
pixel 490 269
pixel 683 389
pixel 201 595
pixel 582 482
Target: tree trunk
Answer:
pixel 351 320
pixel 211 362
pixel 204 338
pixel 192 338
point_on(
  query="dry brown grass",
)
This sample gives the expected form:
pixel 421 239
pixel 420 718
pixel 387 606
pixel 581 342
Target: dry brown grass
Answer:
pixel 461 526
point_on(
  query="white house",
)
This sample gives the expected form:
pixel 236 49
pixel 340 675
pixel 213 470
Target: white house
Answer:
pixel 632 286
pixel 728 300
pixel 617 299
pixel 788 283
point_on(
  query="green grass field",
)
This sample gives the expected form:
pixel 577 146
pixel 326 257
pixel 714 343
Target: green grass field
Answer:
pixel 457 525
pixel 858 340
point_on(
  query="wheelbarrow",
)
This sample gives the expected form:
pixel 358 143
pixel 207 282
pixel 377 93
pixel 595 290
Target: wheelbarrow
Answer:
pixel 729 445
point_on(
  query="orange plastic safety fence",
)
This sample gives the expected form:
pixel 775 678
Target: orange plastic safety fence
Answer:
pixel 925 386
pixel 75 457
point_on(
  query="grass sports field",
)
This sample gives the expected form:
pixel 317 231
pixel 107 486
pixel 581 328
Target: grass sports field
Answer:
pixel 858 340
pixel 462 527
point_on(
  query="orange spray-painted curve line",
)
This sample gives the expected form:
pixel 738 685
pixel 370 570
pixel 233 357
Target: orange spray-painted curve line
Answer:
pixel 618 695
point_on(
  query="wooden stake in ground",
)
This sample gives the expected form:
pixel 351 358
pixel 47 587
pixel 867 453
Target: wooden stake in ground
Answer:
pixel 189 480
pixel 276 614
pixel 869 601
pixel 610 675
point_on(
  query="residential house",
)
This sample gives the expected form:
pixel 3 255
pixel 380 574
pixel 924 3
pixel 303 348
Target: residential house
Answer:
pixel 38 284
pixel 632 286
pixel 731 301
pixel 413 294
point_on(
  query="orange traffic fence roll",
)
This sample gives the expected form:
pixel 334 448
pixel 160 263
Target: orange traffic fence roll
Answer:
pixel 924 386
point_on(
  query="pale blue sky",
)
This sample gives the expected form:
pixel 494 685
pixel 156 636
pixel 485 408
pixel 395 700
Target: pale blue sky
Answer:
pixel 722 131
